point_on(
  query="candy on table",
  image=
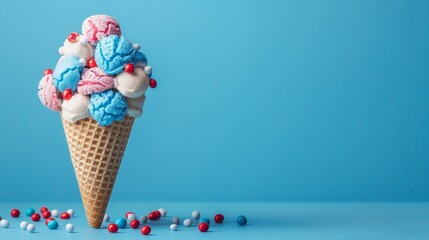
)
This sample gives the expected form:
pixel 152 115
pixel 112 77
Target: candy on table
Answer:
pixel 144 219
pixel 155 215
pixel 46 214
pixel 53 224
pixel 135 224
pixel 29 212
pixel 203 227
pixel 206 220
pixel 112 228
pixel 23 225
pixel 175 220
pixel 65 215
pixel 145 230
pixel 121 222
pixel 187 222
pixel 158 214
pixel 163 212
pixel 131 216
pixel 69 227
pixel 55 213
pixel 106 218
pixel 4 223
pixel 241 220
pixel 15 213
pixel 174 227
pixel 35 217
pixel 70 212
pixel 195 214
pixel 42 209
pixel 31 228
pixel 218 218
pixel 48 220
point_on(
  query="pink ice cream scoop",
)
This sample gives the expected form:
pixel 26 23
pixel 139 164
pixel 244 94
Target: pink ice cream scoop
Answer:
pixel 48 94
pixel 98 26
pixel 94 80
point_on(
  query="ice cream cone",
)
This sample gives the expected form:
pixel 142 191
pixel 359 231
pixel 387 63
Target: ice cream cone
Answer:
pixel 96 153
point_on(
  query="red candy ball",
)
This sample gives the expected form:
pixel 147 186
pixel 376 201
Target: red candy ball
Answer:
pixel 145 230
pixel 64 215
pixel 92 63
pixel 46 214
pixel 14 213
pixel 129 68
pixel 218 218
pixel 135 223
pixel 128 213
pixel 42 209
pixel 153 83
pixel 112 228
pixel 72 37
pixel 158 214
pixel 48 220
pixel 203 227
pixel 152 216
pixel 35 217
pixel 47 72
pixel 67 94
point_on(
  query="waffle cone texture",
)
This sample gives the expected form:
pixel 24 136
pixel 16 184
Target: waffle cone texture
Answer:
pixel 96 153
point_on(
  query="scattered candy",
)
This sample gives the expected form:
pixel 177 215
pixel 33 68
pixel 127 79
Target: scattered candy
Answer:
pixel 241 220
pixel 218 218
pixel 145 230
pixel 112 228
pixel 206 220
pixel 135 224
pixel 69 227
pixel 175 220
pixel 152 216
pixel 53 224
pixel 4 223
pixel 46 214
pixel 158 214
pixel 31 227
pixel 129 68
pixel 48 220
pixel 42 209
pixel 23 225
pixel 195 214
pixel 163 212
pixel 144 219
pixel 65 215
pixel 70 212
pixel 47 72
pixel 187 222
pixel 106 218
pixel 35 217
pixel 15 213
pixel 55 213
pixel 131 217
pixel 174 227
pixel 30 212
pixel 203 227
pixel 153 83
pixel 121 222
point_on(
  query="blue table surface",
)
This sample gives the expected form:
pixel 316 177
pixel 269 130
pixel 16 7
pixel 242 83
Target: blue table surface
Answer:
pixel 266 220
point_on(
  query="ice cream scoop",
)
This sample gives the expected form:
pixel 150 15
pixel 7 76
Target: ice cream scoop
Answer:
pixel 48 94
pixel 132 84
pixel 107 106
pixel 67 73
pixel 98 26
pixel 77 46
pixel 135 106
pixel 94 80
pixel 76 108
pixel 112 53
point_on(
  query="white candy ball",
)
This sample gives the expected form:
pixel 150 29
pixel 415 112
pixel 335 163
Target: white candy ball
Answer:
pixel 82 61
pixel 173 227
pixel 196 214
pixel 106 218
pixel 23 225
pixel 131 217
pixel 175 220
pixel 163 212
pixel 31 227
pixel 147 70
pixel 187 222
pixel 4 223
pixel 144 219
pixel 136 46
pixel 55 213
pixel 71 212
pixel 61 50
pixel 69 227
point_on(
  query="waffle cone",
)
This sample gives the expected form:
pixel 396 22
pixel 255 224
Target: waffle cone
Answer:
pixel 96 153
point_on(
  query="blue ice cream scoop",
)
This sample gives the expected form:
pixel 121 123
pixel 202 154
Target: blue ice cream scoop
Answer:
pixel 67 73
pixel 107 106
pixel 112 53
pixel 140 58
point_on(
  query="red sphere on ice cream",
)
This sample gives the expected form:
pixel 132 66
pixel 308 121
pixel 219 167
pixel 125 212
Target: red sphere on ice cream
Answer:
pixel 47 72
pixel 129 68
pixel 67 94
pixel 153 83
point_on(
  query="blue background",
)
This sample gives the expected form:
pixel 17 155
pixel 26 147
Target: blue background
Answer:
pixel 257 100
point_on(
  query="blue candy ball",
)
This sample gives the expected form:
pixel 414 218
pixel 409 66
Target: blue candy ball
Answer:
pixel 53 224
pixel 30 212
pixel 241 220
pixel 121 222
pixel 206 220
